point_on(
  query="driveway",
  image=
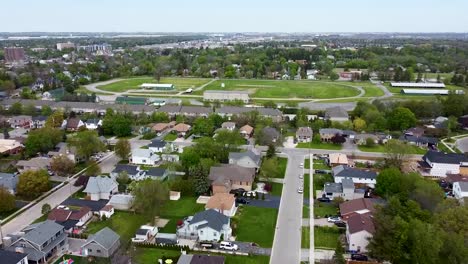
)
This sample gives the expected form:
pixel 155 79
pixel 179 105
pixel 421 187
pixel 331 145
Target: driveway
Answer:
pixel 287 240
pixel 74 245
pixel 462 144
pixel 269 202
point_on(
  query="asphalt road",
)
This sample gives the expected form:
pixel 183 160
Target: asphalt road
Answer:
pixel 287 241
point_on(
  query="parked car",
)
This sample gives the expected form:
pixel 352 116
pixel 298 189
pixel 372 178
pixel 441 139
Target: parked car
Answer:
pixel 237 192
pixel 302 165
pixel 241 200
pixel 300 176
pixel 340 224
pixel 359 257
pixel 206 244
pixel 251 194
pixel 334 219
pixel 228 246
pixel 324 199
pixel 300 190
pixel 321 171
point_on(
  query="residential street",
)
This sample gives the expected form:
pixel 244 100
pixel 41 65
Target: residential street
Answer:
pixel 287 240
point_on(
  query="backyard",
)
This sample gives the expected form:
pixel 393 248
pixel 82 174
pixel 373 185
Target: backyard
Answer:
pixel 320 180
pixel 177 210
pixel 180 84
pixel 83 260
pixel 170 137
pixel 322 210
pixel 123 223
pixel 255 224
pixel 326 237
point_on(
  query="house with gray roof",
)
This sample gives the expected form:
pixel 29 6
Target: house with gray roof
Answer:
pixel 40 241
pixel 229 111
pixel 208 225
pixel 196 111
pixel 144 157
pixel 304 134
pixel 9 257
pixel 342 172
pixel 200 259
pixel 156 173
pixel 101 187
pixel 345 189
pixel 102 244
pixel 9 181
pixel 326 134
pixel 247 159
pixel 133 171
pixel 439 164
pixel 336 114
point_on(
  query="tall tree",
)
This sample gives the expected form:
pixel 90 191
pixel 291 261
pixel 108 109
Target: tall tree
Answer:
pixel 93 169
pixel 55 119
pixel 87 143
pixel 150 197
pixel 401 118
pixel 32 184
pixel 395 153
pixel 123 148
pixel 62 165
pixel 42 140
pixel 8 200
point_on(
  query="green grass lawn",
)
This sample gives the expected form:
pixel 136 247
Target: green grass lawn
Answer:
pixel 123 223
pixel 134 83
pixel 307 186
pixel 83 260
pixel 305 238
pixel 177 210
pixel 326 237
pixel 323 209
pixel 319 146
pixel 277 189
pixel 305 211
pixel 381 148
pixel 320 180
pixel 286 89
pixel 282 164
pixel 255 224
pixel 170 137
pixel 370 89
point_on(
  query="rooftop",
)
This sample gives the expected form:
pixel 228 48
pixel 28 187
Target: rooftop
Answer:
pixel 448 158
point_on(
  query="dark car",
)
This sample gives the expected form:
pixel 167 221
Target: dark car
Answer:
pixel 206 245
pixel 324 199
pixel 237 192
pixel 340 224
pixel 242 201
pixel 320 171
pixel 360 257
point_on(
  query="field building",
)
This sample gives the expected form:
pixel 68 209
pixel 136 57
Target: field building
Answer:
pixel 158 86
pixel 223 96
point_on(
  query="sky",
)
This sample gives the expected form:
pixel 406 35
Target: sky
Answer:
pixel 234 16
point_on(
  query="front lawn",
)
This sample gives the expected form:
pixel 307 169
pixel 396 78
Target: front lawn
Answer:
pixel 277 189
pixel 326 237
pixel 123 223
pixel 313 145
pixel 381 148
pixel 307 186
pixel 305 211
pixel 305 238
pixel 322 210
pixel 320 180
pixel 281 167
pixel 177 210
pixel 170 137
pixel 83 260
pixel 255 224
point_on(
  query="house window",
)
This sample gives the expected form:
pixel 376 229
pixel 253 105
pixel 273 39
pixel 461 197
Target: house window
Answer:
pixel 215 233
pixel 90 250
pixel 144 161
pixel 98 251
pixel 201 232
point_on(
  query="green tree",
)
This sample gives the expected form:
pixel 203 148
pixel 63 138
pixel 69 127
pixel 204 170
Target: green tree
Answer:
pixel 93 169
pixel 46 208
pixel 370 142
pixel 122 148
pixel 200 173
pixel 123 179
pixel 62 165
pixel 16 109
pixel 401 118
pixel 388 182
pixel 271 151
pixel 46 110
pixel 160 117
pixel 395 153
pixel 203 127
pixel 359 124
pixel 121 126
pixel 334 76
pixel 55 119
pixel 150 197
pixel 339 251
pixel 87 143
pixel 29 109
pixel 229 139
pixel 32 184
pixel 8 200
pixel 42 140
pixel 269 169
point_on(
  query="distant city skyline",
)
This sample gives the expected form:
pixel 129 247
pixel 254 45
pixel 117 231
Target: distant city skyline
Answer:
pixel 239 16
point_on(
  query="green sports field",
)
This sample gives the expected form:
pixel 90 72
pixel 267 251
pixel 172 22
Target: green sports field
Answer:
pixel 134 83
pixel 285 89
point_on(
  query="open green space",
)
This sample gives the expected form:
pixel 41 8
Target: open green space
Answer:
pixel 381 148
pixel 123 223
pixel 277 188
pixel 319 146
pixel 324 209
pixel 307 186
pixel 326 237
pixel 177 210
pixel 371 89
pixel 305 211
pixel 319 164
pixel 134 83
pixel 83 260
pixel 255 224
pixel 286 89
pixel 305 237
pixel 170 137
pixel 320 180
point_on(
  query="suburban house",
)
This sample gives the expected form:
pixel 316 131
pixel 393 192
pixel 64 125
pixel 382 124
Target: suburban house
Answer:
pixel 361 139
pixel 229 126
pixel 195 111
pixel 208 225
pixel 271 135
pixel 439 164
pixel 72 124
pixel 144 157
pixel 41 241
pixel 93 124
pixel 160 127
pixel 415 131
pixel 9 181
pixel 463 121
pixel 336 114
pixel 132 171
pixel 107 211
pixel 345 189
pixel 326 134
pixel 356 206
pixel 10 257
pixel 304 134
pixel 181 129
pixel 156 174
pixel 23 121
pixel 102 244
pixel 101 187
pixel 146 233
pixel 420 141
pixel 359 228
pixel 63 149
pixel 70 219
pixel 121 201
pixel 38 163
pixel 38 121
pixel 342 172
pixel 157 145
pixel 10 146
pixel 224 203
pixel 230 111
pixel 246 131
pixel 247 159
pixel 201 259
pixel 460 190
pixel 336 159
pixel 224 96
pixel 225 178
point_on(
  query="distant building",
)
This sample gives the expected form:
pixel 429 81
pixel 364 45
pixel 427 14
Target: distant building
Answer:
pixel 304 134
pixel 67 45
pixel 131 100
pixel 417 85
pixel 223 96
pixel 158 86
pixel 14 54
pixel 336 114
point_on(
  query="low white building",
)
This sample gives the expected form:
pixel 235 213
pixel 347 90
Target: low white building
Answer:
pixel 121 201
pixel 93 124
pixel 208 225
pixel 345 190
pixel 144 157
pixel 359 228
pixel 460 190
pixel 107 211
pixel 101 187
pixel 438 164
pixel 223 96
pixel 342 172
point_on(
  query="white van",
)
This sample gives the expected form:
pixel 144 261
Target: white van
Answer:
pixel 228 246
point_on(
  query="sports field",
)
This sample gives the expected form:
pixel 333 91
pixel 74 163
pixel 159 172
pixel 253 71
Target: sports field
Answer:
pixel 286 89
pixel 180 84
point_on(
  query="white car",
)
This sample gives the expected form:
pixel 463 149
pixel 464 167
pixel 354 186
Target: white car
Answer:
pixel 228 246
pixel 300 190
pixel 251 194
pixel 333 219
pixel 302 165
pixel 300 176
